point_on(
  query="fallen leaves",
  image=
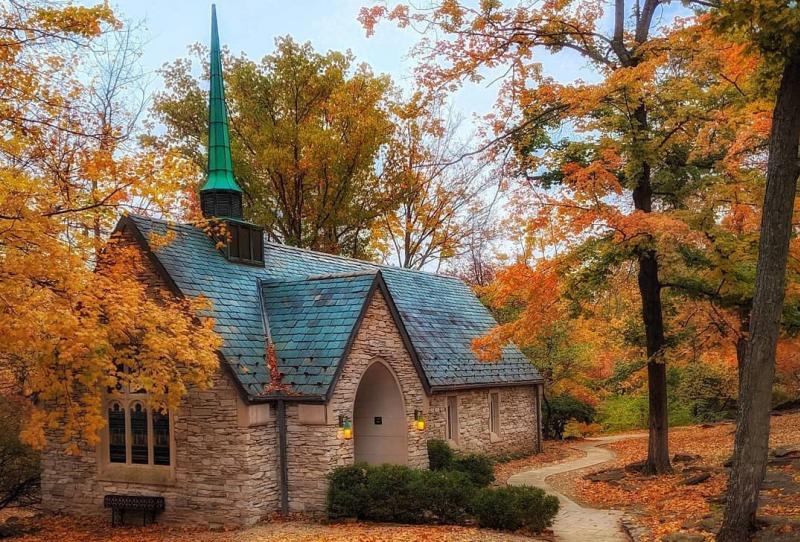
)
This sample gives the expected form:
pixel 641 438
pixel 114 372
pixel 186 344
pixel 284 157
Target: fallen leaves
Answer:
pixel 71 530
pixel 665 504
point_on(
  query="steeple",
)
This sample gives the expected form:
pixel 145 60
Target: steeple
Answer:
pixel 220 195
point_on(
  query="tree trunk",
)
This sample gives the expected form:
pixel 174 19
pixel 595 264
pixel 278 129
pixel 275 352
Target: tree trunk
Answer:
pixel 755 392
pixel 650 291
pixel 652 317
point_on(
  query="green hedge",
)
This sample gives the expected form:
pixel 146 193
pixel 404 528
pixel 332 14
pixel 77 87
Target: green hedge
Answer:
pixel 479 467
pixel 440 454
pixel 394 493
pixel 511 508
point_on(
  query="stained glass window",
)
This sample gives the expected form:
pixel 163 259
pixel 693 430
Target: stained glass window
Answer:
pixel 160 438
pixel 139 451
pixel 117 450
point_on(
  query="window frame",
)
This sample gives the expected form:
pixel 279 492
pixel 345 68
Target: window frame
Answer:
pixel 495 423
pixel 147 473
pixel 452 425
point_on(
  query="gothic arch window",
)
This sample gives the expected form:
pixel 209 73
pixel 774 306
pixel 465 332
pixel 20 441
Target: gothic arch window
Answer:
pixel 137 435
pixel 139 447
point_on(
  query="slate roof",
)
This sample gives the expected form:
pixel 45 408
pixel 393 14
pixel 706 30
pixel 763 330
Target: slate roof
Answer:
pixel 440 314
pixel 311 322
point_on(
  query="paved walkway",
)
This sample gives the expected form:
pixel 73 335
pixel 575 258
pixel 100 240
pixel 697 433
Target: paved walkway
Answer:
pixel 574 522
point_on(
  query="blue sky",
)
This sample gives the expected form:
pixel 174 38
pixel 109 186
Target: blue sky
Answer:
pixel 251 26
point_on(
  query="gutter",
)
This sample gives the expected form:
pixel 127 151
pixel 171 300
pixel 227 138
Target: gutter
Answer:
pixel 460 387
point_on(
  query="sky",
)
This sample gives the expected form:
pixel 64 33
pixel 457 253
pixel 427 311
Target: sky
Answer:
pixel 251 26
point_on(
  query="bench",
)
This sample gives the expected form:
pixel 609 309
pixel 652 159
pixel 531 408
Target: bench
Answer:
pixel 147 505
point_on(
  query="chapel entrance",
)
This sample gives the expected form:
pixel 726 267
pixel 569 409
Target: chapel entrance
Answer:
pixel 379 421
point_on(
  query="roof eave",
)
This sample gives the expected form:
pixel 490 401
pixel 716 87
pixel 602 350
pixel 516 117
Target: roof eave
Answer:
pixel 482 385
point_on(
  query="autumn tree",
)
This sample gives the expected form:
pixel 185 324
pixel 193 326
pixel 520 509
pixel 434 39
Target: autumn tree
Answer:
pixel 440 195
pixel 68 332
pixel 772 28
pixel 628 130
pixel 307 130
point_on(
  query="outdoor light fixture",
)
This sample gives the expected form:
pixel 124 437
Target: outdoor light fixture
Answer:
pixel 345 428
pixel 419 420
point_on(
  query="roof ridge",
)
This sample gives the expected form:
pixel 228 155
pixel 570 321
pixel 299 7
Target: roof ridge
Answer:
pixel 310 278
pixel 377 266
pixel 364 262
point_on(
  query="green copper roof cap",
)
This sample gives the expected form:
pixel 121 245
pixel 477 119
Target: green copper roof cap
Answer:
pixel 220 165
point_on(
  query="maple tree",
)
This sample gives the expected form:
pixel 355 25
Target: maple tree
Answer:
pixel 70 332
pixel 307 131
pixel 618 185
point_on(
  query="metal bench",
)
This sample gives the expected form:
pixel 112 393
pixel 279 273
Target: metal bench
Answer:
pixel 148 506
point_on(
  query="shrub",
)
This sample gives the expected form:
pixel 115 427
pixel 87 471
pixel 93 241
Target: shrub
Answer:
pixel 440 454
pixel 576 429
pixel 560 409
pixel 446 496
pixel 19 463
pixel 347 491
pixel 707 391
pixel 390 494
pixel 623 412
pixel 396 493
pixel 510 508
pixel 478 467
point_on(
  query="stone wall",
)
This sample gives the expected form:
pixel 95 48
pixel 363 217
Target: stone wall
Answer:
pixel 519 412
pixel 224 474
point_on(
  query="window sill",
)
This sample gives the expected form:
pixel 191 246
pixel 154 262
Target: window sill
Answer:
pixel 137 474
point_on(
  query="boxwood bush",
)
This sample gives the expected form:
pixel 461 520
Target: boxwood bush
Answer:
pixel 394 493
pixel 445 496
pixel 440 454
pixel 479 467
pixel 510 508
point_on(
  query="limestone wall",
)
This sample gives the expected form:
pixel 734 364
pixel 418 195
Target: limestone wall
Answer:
pixel 224 474
pixel 518 420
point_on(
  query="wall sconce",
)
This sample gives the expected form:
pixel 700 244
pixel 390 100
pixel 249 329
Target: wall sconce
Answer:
pixel 345 428
pixel 419 420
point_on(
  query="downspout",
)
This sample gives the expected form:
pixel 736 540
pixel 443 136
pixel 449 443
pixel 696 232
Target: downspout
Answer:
pixel 282 456
pixel 280 414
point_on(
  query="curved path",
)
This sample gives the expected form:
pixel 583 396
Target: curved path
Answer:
pixel 576 523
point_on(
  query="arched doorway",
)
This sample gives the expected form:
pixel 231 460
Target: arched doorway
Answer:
pixel 379 421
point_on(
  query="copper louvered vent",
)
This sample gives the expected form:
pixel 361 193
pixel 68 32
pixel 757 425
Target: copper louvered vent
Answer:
pixel 221 204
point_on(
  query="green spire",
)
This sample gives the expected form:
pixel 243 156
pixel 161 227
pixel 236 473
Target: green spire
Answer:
pixel 220 165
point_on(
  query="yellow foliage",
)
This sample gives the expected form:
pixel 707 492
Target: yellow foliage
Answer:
pixel 66 329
